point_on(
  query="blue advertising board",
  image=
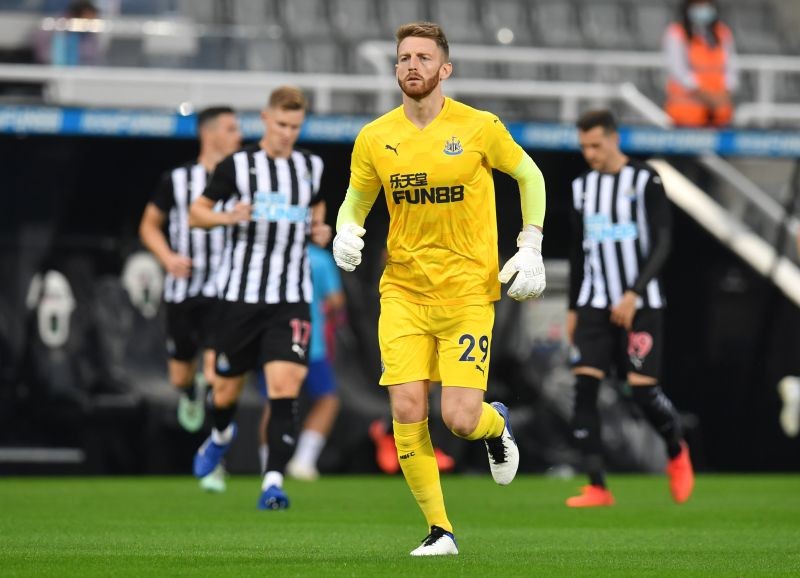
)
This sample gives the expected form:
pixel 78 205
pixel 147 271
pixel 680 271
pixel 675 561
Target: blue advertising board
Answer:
pixel 43 120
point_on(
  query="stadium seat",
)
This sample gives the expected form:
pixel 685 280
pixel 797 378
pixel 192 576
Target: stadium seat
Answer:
pixel 319 57
pixel 201 11
pixel 472 69
pixel 145 7
pixel 51 6
pixel 393 13
pixel 267 55
pixel 354 62
pixel 123 51
pixel 507 14
pixel 341 103
pixel 176 51
pixel 460 19
pixel 755 28
pixel 355 20
pixel 604 25
pixel 649 82
pixel 216 53
pixel 541 110
pixel 305 19
pixel 358 104
pixel 522 71
pixel 574 73
pixel 556 24
pixel 20 6
pixel 649 21
pixel 748 81
pixel 250 12
pixel 511 110
pixel 503 108
pixel 787 87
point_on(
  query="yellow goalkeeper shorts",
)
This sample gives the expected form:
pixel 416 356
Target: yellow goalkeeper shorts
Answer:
pixel 447 343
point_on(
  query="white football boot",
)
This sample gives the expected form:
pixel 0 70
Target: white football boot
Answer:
pixel 439 542
pixel 503 451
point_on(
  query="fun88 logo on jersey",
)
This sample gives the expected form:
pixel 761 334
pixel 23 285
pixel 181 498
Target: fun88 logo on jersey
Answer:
pixel 269 206
pixel 600 228
pixel 413 188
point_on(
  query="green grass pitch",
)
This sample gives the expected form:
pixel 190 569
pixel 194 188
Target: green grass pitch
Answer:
pixel 366 525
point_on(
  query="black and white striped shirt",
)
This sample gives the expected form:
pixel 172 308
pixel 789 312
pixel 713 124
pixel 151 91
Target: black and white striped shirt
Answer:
pixel 621 237
pixel 178 188
pixel 265 259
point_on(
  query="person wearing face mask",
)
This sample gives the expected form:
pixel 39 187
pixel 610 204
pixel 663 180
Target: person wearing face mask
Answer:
pixel 701 66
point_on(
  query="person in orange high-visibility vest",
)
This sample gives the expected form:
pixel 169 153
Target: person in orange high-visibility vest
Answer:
pixel 701 66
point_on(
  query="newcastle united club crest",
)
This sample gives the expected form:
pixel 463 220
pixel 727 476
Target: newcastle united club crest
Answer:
pixel 453 147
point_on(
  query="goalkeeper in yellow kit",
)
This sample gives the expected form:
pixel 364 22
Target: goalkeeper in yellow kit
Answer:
pixel 433 157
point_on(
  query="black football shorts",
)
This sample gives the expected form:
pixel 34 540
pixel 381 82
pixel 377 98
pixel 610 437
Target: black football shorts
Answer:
pixel 190 327
pixel 600 344
pixel 249 335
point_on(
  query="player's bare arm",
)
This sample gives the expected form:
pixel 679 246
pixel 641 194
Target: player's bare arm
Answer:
pixel 623 312
pixel 152 235
pixel 320 230
pixel 203 215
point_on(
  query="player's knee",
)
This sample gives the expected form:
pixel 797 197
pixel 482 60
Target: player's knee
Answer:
pixel 226 393
pixel 209 372
pixel 588 371
pixel 461 429
pixel 330 401
pixel 407 410
pixel 284 379
pixel 461 423
pixel 637 379
pixel 284 389
pixel 181 373
pixel 461 410
pixel 225 399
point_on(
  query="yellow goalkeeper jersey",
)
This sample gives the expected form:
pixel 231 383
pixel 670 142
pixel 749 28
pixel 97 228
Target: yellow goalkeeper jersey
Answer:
pixel 442 243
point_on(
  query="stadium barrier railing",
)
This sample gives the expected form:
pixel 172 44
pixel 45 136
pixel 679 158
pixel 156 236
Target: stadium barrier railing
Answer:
pixel 765 110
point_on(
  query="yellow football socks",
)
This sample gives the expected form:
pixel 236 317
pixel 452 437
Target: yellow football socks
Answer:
pixel 415 450
pixel 490 425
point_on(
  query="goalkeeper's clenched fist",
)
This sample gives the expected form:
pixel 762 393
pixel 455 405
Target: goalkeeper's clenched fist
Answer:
pixel 347 246
pixel 528 266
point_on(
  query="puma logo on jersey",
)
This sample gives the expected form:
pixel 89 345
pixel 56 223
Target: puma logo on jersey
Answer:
pixel 393 148
pixel 479 368
pixel 301 353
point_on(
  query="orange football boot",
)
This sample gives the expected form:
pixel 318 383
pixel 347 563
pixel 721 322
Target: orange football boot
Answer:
pixel 681 475
pixel 385 450
pixel 445 462
pixel 591 497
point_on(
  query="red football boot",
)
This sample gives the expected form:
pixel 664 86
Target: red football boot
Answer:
pixel 591 497
pixel 681 475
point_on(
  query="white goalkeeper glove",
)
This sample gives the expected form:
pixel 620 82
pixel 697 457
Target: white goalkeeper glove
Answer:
pixel 528 266
pixel 347 246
